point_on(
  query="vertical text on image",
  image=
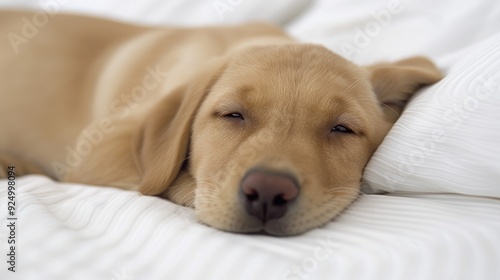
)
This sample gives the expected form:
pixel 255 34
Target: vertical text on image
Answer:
pixel 11 218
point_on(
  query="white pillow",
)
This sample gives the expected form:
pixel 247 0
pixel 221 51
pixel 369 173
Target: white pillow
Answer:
pixel 448 139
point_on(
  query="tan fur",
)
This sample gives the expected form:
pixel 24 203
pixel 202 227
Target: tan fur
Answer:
pixel 82 76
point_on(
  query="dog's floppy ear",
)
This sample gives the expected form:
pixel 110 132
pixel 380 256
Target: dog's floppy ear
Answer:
pixel 164 138
pixel 394 83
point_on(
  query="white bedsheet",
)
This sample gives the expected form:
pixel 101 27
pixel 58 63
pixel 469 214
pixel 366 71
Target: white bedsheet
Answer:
pixel 69 231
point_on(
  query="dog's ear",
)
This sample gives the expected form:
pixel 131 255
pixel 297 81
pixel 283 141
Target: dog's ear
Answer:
pixel 395 83
pixel 165 135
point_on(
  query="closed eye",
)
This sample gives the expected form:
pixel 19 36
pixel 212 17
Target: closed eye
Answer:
pixel 235 115
pixel 341 129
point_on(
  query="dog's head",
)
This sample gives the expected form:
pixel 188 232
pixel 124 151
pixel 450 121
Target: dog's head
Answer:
pixel 274 139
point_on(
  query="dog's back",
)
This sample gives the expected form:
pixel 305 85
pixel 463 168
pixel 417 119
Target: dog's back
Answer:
pixel 47 86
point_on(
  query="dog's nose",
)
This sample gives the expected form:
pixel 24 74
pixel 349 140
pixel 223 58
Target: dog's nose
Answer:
pixel 267 196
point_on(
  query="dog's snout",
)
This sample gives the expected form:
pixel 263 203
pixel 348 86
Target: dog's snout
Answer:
pixel 267 196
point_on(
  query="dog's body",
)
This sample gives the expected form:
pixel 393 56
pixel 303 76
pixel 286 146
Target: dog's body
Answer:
pixel 254 130
pixel 78 70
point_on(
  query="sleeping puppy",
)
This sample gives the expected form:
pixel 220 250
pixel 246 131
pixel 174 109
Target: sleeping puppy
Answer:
pixel 257 132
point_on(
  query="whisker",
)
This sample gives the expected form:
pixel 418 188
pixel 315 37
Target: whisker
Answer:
pixel 186 197
pixel 359 79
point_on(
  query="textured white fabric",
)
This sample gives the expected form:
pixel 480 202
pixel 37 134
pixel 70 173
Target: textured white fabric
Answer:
pixel 68 231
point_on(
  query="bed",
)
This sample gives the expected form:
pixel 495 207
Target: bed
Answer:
pixel 431 202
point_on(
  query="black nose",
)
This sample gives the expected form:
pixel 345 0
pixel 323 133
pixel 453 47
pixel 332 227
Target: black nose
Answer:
pixel 267 195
